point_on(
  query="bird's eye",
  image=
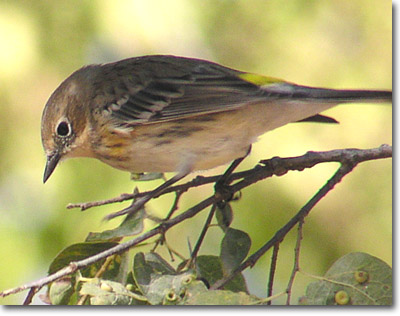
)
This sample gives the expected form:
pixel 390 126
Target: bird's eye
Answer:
pixel 63 129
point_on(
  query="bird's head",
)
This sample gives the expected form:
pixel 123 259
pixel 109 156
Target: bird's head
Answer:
pixel 65 124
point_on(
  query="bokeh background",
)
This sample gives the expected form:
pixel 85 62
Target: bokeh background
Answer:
pixel 332 43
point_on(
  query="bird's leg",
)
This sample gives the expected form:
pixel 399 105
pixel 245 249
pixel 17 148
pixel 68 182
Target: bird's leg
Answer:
pixel 222 185
pixel 136 205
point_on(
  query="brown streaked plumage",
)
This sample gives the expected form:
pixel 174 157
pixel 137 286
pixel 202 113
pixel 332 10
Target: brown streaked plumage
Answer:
pixel 165 113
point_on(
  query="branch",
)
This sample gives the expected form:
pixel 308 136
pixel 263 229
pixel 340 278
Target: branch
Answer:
pixel 74 266
pixel 296 266
pixel 272 270
pixel 274 166
pixel 348 158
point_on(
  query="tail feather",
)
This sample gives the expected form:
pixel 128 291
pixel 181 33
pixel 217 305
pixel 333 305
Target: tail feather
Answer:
pixel 298 92
pixel 320 119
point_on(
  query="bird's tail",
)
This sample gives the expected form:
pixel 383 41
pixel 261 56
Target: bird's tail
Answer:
pixel 298 92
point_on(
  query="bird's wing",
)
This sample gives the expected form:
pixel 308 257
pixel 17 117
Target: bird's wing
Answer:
pixel 150 91
pixel 153 89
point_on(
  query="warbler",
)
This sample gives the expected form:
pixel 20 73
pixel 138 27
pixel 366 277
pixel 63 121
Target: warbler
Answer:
pixel 174 114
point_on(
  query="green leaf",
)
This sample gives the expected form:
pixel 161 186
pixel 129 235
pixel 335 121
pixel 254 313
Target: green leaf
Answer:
pixel 61 291
pixel 158 264
pixel 191 288
pixel 142 272
pixel 355 279
pixel 105 292
pixel 132 225
pixel 224 216
pixel 234 248
pixel 160 283
pixel 209 268
pixel 78 252
pixel 146 265
pixel 174 289
pixel 221 297
pixel 117 269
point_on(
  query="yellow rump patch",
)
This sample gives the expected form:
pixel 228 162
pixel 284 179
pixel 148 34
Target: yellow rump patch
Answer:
pixel 259 79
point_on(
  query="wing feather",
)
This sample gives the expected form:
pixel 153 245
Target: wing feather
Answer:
pixel 149 92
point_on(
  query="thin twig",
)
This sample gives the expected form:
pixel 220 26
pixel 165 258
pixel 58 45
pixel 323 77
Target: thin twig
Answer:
pixel 281 233
pixel 202 235
pixel 223 180
pixel 348 157
pixel 274 166
pixel 31 294
pixel 174 206
pixel 272 270
pixel 120 248
pixel 296 265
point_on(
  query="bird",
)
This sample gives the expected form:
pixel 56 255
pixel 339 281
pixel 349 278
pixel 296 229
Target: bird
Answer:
pixel 164 113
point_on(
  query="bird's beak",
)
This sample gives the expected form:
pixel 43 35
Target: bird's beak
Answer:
pixel 51 164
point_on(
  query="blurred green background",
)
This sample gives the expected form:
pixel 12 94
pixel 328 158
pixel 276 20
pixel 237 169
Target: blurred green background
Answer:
pixel 331 43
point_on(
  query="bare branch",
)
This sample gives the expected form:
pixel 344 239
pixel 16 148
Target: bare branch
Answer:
pixel 74 266
pixel 348 158
pixel 272 270
pixel 274 166
pixel 296 266
pixel 202 235
pixel 281 233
